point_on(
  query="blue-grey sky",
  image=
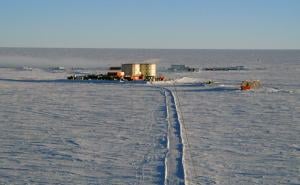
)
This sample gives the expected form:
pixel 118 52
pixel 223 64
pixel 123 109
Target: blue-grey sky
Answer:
pixel 199 24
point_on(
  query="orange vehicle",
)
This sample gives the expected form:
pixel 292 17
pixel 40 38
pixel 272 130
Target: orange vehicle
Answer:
pixel 135 77
pixel 250 84
pixel 118 74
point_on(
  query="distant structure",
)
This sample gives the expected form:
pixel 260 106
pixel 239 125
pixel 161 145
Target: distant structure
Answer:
pixel 139 71
pixel 131 70
pixel 128 72
pixel 182 68
pixel 232 68
pixel 148 70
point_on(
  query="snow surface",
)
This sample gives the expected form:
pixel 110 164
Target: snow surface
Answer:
pixel 65 133
pixel 242 137
pixel 55 131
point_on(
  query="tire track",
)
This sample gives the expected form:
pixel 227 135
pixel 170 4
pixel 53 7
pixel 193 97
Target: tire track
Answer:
pixel 174 167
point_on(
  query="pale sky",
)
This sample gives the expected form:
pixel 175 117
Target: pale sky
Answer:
pixel 182 24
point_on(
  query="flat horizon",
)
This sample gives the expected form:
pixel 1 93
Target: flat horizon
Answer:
pixel 34 47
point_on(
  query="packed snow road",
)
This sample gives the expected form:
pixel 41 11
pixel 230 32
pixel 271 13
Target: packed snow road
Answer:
pixel 174 170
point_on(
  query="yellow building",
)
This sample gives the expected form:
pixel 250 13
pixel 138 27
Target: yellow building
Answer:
pixel 131 70
pixel 148 70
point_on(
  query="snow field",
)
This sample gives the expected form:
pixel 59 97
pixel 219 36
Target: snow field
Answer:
pixel 82 134
pixel 58 132
pixel 241 137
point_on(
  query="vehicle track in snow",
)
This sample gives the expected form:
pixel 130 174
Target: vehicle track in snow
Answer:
pixel 174 167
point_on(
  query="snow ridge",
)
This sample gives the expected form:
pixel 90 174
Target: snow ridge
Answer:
pixel 174 163
pixel 182 139
pixel 168 139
